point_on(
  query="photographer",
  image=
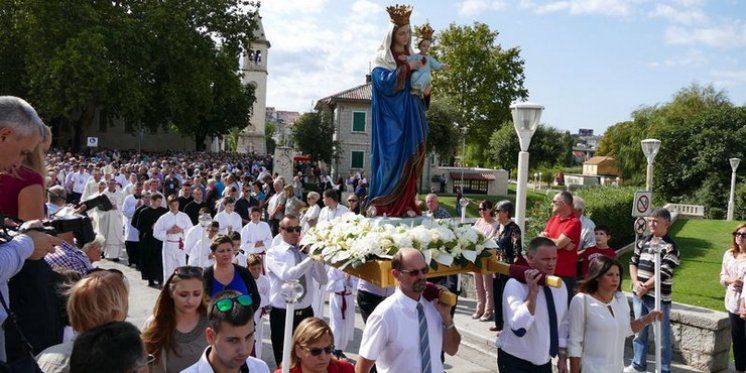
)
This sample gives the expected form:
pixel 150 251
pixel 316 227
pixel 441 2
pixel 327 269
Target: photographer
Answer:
pixel 21 130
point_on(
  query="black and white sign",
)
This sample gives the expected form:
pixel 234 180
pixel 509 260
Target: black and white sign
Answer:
pixel 92 142
pixel 642 204
pixel 640 226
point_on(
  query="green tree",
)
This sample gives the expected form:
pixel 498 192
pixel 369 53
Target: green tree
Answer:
pixel 444 136
pixel 313 133
pixel 270 129
pixel 169 64
pixel 549 147
pixel 622 142
pixel 482 78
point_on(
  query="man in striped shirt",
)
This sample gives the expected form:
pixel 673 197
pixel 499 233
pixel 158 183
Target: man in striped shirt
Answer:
pixel 642 272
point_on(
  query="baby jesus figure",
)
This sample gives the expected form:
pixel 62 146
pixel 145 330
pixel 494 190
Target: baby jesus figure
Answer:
pixel 421 79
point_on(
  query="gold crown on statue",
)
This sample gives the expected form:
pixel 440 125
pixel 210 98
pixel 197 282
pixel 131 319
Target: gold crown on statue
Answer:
pixel 424 32
pixel 399 14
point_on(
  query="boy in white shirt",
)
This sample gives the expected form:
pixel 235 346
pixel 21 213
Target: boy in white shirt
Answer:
pixel 255 265
pixel 229 219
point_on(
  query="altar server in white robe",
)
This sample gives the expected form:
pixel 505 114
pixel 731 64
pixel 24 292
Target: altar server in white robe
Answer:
pixel 256 236
pixel 171 229
pixel 229 219
pixel 197 244
pixel 341 288
pixel 256 263
pixel 332 210
pixel 111 223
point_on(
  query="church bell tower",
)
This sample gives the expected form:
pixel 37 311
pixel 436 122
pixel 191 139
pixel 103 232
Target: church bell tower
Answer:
pixel 254 70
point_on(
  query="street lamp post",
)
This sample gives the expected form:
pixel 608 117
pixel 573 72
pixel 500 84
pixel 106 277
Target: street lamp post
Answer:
pixel 650 149
pixel 731 201
pixel 526 117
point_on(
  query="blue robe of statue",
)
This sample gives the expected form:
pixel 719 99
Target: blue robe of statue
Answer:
pixel 399 130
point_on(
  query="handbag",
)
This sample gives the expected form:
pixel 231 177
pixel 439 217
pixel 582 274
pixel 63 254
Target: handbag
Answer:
pixel 26 364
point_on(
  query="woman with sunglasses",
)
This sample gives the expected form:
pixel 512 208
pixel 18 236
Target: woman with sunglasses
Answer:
pixel 99 298
pixel 508 238
pixel 225 275
pixel 313 344
pixel 175 334
pixel 488 226
pixel 731 277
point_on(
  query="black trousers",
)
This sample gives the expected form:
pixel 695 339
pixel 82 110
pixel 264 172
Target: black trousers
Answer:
pixel 738 334
pixel 507 363
pixel 367 303
pixel 274 226
pixel 133 252
pixel 277 328
pixel 571 283
pixel 498 285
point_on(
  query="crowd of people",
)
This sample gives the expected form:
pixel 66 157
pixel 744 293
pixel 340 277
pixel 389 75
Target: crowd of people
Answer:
pixel 219 235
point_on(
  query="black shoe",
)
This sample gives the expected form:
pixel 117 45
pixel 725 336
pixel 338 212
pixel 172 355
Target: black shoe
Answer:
pixel 115 260
pixel 151 284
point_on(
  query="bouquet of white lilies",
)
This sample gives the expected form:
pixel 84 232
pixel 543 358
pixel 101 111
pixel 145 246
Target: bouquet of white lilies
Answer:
pixel 352 240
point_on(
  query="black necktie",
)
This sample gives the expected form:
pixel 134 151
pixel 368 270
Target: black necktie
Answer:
pixel 552 313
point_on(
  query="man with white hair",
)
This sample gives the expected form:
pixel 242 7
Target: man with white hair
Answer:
pixel 276 206
pixel 68 256
pixel 588 227
pixel 21 130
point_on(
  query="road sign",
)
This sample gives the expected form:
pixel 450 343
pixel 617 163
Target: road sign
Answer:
pixel 642 204
pixel 640 226
pixel 92 142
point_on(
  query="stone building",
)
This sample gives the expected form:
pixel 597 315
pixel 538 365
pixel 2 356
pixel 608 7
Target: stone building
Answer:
pixel 254 68
pixel 350 111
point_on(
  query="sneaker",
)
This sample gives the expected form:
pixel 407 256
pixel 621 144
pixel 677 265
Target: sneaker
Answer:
pixel 631 369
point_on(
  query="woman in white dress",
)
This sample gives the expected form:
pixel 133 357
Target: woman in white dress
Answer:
pixel 599 320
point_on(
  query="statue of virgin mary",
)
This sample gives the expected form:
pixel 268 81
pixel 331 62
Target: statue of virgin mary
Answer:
pixel 399 125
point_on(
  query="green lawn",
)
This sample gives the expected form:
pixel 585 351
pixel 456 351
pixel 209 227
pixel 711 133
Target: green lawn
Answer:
pixel 449 200
pixel 701 244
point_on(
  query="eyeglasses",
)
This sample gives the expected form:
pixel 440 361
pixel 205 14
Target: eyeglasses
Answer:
pixel 351 200
pixel 227 304
pixel 416 272
pixel 739 234
pixel 295 229
pixel 316 351
pixel 189 271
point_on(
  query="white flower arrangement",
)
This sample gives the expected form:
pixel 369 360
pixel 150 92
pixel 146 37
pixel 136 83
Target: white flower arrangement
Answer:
pixel 353 240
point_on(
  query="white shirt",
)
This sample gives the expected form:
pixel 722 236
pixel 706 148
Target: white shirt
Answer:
pixel 79 181
pixel 197 246
pixel 587 232
pixel 533 346
pixel 232 220
pixel 203 366
pixel 736 269
pixel 391 336
pixel 91 188
pixel 263 286
pixel 253 233
pixel 327 213
pixel 128 210
pixel 116 198
pixel 598 337
pixel 311 214
pixel 168 220
pixel 281 267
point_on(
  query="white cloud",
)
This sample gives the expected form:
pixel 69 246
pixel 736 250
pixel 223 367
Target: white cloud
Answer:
pixel 691 3
pixel 693 58
pixel 726 35
pixel 319 48
pixel 729 78
pixel 578 7
pixel 471 8
pixel 688 16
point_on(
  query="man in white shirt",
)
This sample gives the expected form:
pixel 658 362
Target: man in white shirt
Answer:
pixel 111 224
pixel 276 206
pixel 131 235
pixel 406 332
pixel 91 186
pixel 78 181
pixel 256 235
pixel 230 335
pixel 532 335
pixel 171 230
pixel 286 262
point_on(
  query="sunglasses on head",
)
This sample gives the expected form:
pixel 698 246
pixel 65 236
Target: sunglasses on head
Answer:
pixel 316 351
pixel 416 272
pixel 295 229
pixel 189 271
pixel 227 304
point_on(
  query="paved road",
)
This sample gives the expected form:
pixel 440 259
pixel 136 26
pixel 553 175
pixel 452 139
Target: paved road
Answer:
pixel 142 299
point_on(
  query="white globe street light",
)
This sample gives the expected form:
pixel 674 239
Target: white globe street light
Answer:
pixel 731 201
pixel 526 117
pixel 292 291
pixel 650 148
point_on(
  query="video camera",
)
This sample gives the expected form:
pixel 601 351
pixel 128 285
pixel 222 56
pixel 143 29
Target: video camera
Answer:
pixel 80 226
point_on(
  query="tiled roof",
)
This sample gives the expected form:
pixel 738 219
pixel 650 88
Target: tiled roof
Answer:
pixel 598 160
pixel 359 93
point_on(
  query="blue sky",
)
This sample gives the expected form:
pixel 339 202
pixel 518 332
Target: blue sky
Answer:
pixel 589 62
